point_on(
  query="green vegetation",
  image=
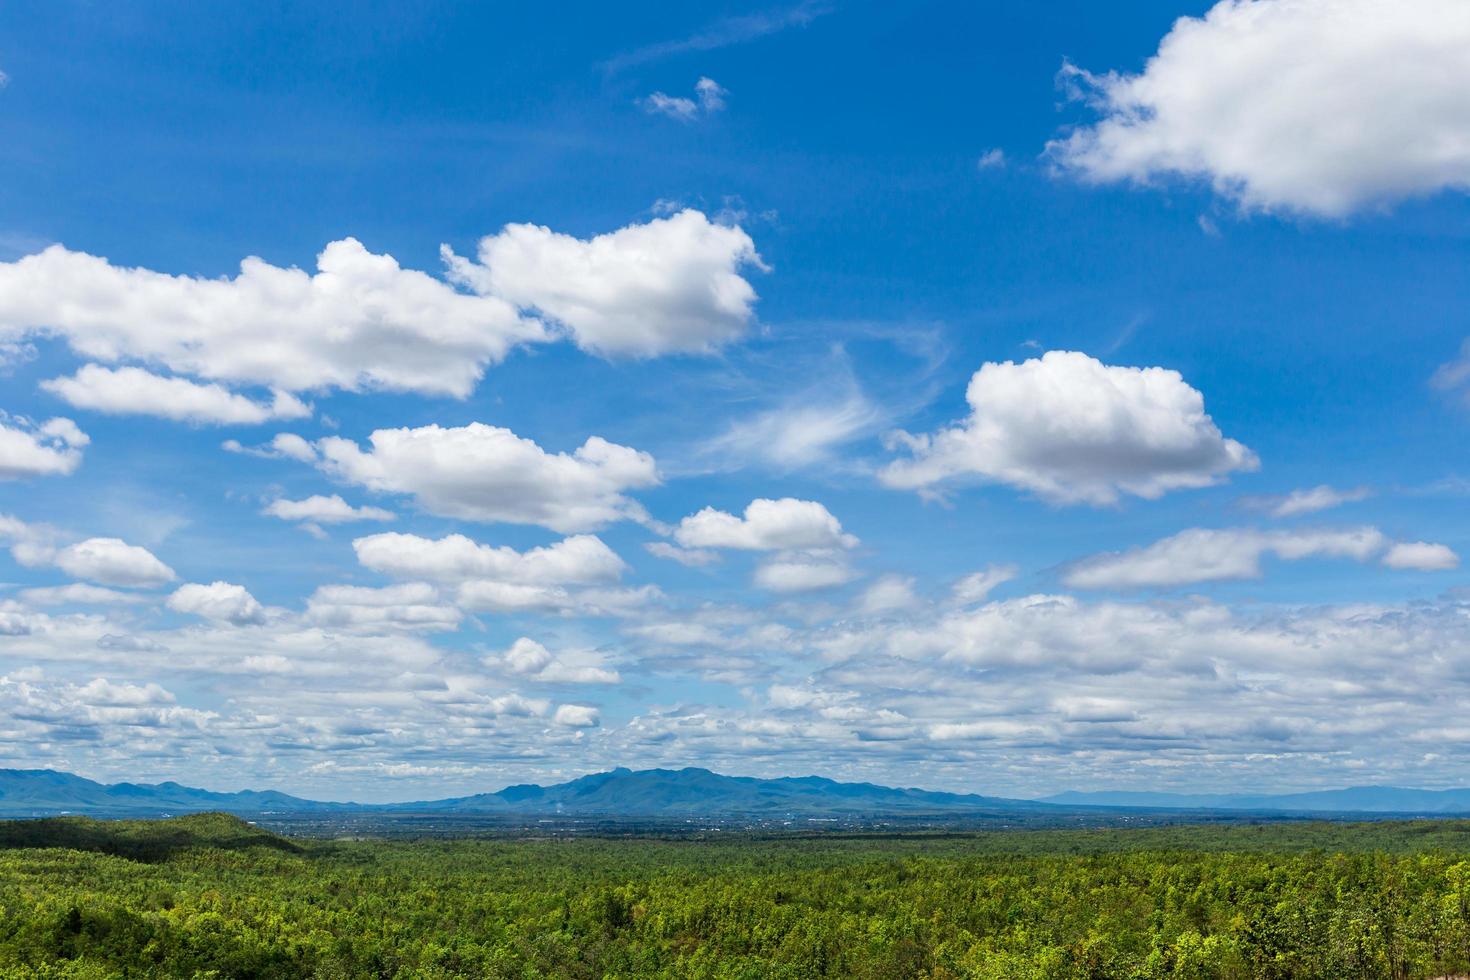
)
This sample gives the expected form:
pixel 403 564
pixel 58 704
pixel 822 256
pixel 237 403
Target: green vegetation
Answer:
pixel 211 896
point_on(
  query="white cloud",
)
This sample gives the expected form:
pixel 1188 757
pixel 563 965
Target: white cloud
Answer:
pixel 109 561
pixel 579 560
pixel 411 606
pixel 768 525
pixel 711 95
pixel 53 448
pixel 528 659
pixel 360 322
pixel 1312 500
pixel 1453 376
pixel 285 445
pixel 1317 106
pixel 489 595
pixel 501 579
pixel 1210 555
pixel 485 473
pixel 324 510
pixel 100 691
pixel 80 594
pixel 1421 556
pixel 673 106
pixel 1074 430
pixel 133 391
pixel 221 601
pixel 671 285
pixel 992 159
pixel 576 716
pixel 688 557
pixel 977 586
pixel 891 593
pixel 803 573
pixel 709 98
pixel 808 539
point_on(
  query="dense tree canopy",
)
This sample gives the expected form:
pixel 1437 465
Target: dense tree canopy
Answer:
pixel 213 898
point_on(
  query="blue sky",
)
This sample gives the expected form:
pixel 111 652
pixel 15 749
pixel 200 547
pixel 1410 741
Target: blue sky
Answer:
pixel 708 258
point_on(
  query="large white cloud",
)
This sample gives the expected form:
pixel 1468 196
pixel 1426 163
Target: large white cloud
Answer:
pixel 53 448
pixel 221 601
pixel 485 578
pixel 767 525
pixel 1074 430
pixel 1212 555
pixel 809 542
pixel 361 321
pixel 110 561
pixel 1317 106
pixel 485 473
pixel 670 285
pixel 1422 556
pixel 133 391
pixel 579 560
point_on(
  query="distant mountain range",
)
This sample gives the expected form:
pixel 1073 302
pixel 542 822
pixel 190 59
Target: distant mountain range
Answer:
pixel 619 793
pixel 685 793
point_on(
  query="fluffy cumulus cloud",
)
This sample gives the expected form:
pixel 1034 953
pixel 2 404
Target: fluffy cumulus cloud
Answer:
pixel 52 448
pixel 767 525
pixel 110 561
pixel 485 578
pixel 579 560
pixel 528 659
pixel 1315 106
pixel 1211 555
pixel 809 542
pixel 134 391
pixel 577 716
pixel 221 601
pixel 361 321
pixel 671 285
pixel 485 473
pixel 318 509
pixel 1422 556
pixel 1071 429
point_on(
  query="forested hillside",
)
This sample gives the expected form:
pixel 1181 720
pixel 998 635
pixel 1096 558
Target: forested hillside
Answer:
pixel 217 898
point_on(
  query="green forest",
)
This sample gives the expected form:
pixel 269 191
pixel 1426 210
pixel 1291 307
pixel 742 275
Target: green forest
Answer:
pixel 212 896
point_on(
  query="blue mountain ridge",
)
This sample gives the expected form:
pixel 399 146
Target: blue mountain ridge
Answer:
pixel 691 792
pixel 616 793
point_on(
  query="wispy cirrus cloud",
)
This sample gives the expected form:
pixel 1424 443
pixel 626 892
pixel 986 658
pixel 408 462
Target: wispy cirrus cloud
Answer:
pixel 722 33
